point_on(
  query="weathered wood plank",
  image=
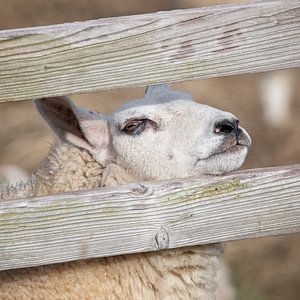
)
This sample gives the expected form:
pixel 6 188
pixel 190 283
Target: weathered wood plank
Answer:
pixel 149 216
pixel 152 48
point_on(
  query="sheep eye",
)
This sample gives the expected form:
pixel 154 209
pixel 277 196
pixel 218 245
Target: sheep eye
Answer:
pixel 137 126
pixel 132 125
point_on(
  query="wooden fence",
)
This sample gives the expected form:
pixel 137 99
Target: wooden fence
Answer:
pixel 152 48
pixel 140 50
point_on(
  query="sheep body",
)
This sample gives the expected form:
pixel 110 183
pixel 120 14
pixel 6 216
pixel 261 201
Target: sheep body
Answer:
pixel 171 274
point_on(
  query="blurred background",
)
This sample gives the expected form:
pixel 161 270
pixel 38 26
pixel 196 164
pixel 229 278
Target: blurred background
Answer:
pixel 268 105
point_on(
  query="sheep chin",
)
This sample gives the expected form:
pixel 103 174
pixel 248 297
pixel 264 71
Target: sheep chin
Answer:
pixel 222 163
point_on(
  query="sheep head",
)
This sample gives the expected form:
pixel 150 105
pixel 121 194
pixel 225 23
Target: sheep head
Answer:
pixel 164 135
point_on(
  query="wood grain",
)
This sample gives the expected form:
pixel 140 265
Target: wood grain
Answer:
pixel 146 49
pixel 149 216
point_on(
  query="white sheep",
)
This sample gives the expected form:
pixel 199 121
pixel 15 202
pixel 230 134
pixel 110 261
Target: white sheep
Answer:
pixel 164 135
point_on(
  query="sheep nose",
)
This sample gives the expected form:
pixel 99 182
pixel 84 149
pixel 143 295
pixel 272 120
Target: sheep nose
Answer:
pixel 226 126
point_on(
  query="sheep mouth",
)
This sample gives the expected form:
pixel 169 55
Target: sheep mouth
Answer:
pixel 227 156
pixel 230 150
pixel 222 162
pixel 233 144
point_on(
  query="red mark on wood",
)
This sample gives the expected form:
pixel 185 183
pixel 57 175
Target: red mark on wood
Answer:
pixel 185 50
pixel 228 40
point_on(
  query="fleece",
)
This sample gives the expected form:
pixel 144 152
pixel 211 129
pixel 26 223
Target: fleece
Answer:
pixel 187 273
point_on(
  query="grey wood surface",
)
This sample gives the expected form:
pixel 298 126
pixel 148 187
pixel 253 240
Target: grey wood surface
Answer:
pixel 153 48
pixel 149 216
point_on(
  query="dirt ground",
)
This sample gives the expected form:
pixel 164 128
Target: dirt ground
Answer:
pixel 262 269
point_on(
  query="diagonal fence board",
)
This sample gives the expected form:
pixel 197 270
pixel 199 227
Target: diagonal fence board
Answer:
pixel 149 216
pixel 146 49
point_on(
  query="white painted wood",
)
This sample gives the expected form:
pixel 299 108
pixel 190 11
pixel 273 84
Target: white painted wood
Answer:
pixel 153 48
pixel 149 217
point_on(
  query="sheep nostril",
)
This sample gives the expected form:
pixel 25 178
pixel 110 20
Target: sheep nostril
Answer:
pixel 226 126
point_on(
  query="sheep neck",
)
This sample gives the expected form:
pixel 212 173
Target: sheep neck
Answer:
pixel 67 169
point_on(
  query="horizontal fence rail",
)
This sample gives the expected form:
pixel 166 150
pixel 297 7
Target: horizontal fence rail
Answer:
pixel 147 49
pixel 149 216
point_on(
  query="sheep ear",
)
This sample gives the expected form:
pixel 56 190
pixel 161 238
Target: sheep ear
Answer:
pixel 77 126
pixel 165 93
pixel 157 89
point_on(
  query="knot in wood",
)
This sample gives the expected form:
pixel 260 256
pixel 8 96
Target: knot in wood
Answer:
pixel 162 239
pixel 138 188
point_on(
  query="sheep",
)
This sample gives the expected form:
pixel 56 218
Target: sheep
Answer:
pixel 161 136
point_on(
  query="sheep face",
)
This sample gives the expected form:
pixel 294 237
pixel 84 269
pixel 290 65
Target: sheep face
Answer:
pixel 164 135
